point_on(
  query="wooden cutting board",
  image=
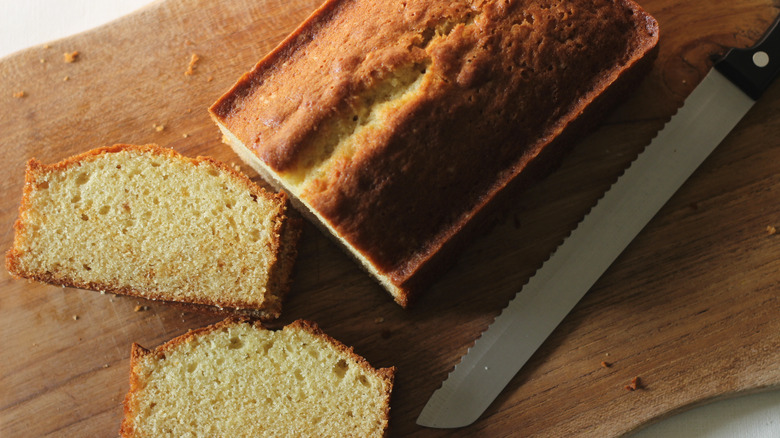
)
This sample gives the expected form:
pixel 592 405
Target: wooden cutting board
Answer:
pixel 692 307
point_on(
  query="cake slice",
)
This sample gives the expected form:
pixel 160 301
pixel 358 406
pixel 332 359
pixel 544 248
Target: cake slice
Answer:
pixel 149 222
pixel 398 126
pixel 236 378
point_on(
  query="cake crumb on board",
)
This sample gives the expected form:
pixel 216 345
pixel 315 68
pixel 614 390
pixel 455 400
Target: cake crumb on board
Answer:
pixel 635 384
pixel 71 57
pixel 20 94
pixel 771 230
pixel 191 67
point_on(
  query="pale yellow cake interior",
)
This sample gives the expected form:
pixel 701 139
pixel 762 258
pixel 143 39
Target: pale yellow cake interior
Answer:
pixel 241 381
pixel 152 224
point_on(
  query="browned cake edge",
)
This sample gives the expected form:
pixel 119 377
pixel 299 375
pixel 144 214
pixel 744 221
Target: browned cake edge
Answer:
pixel 287 233
pixel 407 283
pixel 127 430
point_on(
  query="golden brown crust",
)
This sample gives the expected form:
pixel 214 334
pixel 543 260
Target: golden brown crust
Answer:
pixel 417 188
pixel 127 428
pixel 286 235
pixel 225 105
pixel 12 256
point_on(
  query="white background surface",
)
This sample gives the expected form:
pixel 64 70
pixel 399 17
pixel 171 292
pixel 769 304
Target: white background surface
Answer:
pixel 35 22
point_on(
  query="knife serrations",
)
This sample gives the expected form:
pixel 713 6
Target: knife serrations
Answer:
pixel 707 116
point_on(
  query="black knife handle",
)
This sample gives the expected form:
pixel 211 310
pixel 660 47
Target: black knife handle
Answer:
pixel 754 69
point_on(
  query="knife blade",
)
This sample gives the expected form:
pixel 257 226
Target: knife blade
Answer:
pixel 712 110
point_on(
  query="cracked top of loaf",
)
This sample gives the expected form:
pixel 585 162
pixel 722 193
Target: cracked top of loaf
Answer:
pixel 396 121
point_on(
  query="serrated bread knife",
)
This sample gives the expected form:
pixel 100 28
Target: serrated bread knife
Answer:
pixel 708 114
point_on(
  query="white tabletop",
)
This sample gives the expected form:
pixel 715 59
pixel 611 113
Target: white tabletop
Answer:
pixel 35 22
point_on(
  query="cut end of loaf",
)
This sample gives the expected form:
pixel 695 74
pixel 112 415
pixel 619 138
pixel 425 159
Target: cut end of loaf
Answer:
pixel 148 222
pixel 399 293
pixel 238 378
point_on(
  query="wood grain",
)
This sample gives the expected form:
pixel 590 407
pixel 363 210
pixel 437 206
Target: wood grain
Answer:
pixel 692 306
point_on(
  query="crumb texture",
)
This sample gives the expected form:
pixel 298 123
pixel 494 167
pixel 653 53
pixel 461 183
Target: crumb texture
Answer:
pixel 149 222
pixel 241 380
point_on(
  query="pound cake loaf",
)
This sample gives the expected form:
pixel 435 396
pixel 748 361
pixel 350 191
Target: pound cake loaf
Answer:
pixel 149 222
pixel 238 379
pixel 395 125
